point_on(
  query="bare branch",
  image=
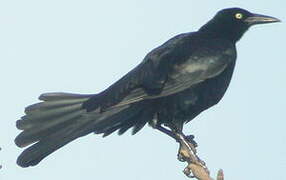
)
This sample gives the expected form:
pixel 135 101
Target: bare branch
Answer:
pixel 201 173
pixel 196 168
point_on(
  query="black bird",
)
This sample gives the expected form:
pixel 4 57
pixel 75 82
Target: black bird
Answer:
pixel 172 85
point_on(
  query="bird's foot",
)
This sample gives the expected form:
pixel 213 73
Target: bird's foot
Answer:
pixel 197 171
pixel 190 139
pixel 193 145
pixel 187 150
pixel 195 165
pixel 184 153
pixel 188 153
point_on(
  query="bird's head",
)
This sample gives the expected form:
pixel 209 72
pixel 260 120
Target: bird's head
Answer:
pixel 232 23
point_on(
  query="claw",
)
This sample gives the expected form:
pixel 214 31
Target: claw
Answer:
pixel 180 157
pixel 194 170
pixel 187 171
pixel 201 161
pixel 190 139
pixel 184 154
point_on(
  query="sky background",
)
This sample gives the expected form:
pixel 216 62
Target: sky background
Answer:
pixel 84 46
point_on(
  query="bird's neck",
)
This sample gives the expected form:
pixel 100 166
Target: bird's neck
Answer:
pixel 224 31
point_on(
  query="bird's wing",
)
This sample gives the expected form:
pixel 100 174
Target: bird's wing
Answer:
pixel 204 63
pixel 150 76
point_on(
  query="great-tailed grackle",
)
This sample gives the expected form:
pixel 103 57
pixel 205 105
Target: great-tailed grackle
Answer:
pixel 174 83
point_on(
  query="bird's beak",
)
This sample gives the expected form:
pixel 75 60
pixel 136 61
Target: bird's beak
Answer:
pixel 260 19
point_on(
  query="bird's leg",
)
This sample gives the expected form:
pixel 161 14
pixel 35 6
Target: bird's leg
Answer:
pixel 187 151
pixel 183 140
pixel 189 138
pixel 166 131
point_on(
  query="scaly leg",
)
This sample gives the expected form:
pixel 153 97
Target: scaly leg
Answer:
pixel 187 143
pixel 187 151
pixel 189 138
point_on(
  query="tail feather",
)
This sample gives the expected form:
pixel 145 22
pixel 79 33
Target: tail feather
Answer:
pixel 45 118
pixel 63 96
pixel 48 107
pixel 39 131
pixel 34 154
pixel 52 104
pixel 55 105
pixel 42 117
pixel 60 118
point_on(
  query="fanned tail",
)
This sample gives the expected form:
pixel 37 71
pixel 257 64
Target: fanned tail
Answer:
pixel 60 119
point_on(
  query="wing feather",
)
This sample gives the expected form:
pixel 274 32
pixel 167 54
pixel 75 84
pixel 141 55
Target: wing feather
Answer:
pixel 197 69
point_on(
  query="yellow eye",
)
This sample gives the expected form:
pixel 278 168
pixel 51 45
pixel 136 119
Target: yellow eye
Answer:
pixel 238 16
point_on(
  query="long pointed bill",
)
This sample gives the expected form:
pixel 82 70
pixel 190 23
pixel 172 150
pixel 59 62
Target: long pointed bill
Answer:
pixel 260 19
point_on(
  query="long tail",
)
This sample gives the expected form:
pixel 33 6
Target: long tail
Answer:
pixel 60 119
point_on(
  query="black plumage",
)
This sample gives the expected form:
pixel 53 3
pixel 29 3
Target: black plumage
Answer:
pixel 174 83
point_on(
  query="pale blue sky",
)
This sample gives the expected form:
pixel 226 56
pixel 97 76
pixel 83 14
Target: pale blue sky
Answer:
pixel 84 46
